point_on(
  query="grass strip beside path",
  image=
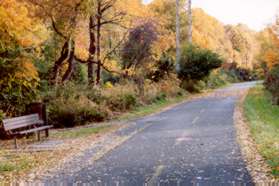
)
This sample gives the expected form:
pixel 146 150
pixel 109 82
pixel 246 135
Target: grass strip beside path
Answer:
pixel 263 118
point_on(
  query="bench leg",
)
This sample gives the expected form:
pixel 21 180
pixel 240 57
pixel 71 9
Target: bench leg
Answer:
pixel 39 136
pixel 47 133
pixel 15 143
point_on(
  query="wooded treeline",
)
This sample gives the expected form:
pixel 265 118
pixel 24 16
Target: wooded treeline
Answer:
pixel 109 55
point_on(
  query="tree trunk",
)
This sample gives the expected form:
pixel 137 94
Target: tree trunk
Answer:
pixel 92 51
pixel 189 13
pixel 98 54
pixel 71 62
pixel 139 80
pixel 90 73
pixel 178 52
pixel 63 56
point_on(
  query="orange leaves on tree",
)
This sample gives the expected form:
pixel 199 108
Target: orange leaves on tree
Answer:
pixel 26 70
pixel 16 24
pixel 269 47
pixel 271 57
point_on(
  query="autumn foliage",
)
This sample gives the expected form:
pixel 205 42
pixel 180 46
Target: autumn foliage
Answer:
pixel 270 60
pixel 100 47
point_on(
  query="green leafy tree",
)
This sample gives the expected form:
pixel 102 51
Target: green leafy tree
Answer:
pixel 196 64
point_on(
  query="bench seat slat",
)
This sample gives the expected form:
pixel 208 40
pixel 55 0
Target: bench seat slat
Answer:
pixel 35 129
pixel 11 121
pixel 35 116
pixel 20 122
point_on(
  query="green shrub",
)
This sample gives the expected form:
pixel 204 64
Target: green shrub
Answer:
pixel 122 102
pixel 94 115
pixel 195 65
pixel 161 97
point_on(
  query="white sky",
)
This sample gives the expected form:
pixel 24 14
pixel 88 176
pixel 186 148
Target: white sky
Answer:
pixel 254 13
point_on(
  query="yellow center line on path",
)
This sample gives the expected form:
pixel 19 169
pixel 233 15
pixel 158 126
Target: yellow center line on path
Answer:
pixel 156 174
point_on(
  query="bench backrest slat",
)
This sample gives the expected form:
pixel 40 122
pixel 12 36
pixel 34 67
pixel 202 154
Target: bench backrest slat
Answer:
pixel 20 122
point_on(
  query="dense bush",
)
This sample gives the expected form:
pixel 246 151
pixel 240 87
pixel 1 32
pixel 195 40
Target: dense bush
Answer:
pixel 71 112
pixel 122 102
pixel 163 68
pixel 69 105
pixel 272 83
pixel 72 105
pixel 195 65
pixel 69 116
pixel 120 98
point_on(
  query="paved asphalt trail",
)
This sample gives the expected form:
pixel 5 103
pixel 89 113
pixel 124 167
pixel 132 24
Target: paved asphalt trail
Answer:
pixel 192 144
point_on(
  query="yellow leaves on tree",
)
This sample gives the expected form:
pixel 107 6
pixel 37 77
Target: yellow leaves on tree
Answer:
pixel 235 43
pixel 271 57
pixel 207 30
pixel 133 9
pixel 26 70
pixel 18 27
pixel 269 47
pixel 19 78
pixel 16 24
pixel 82 40
pixel 209 33
pixel 162 12
pixel 245 45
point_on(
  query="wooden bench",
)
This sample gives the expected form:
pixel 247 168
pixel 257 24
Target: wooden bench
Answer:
pixel 25 125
